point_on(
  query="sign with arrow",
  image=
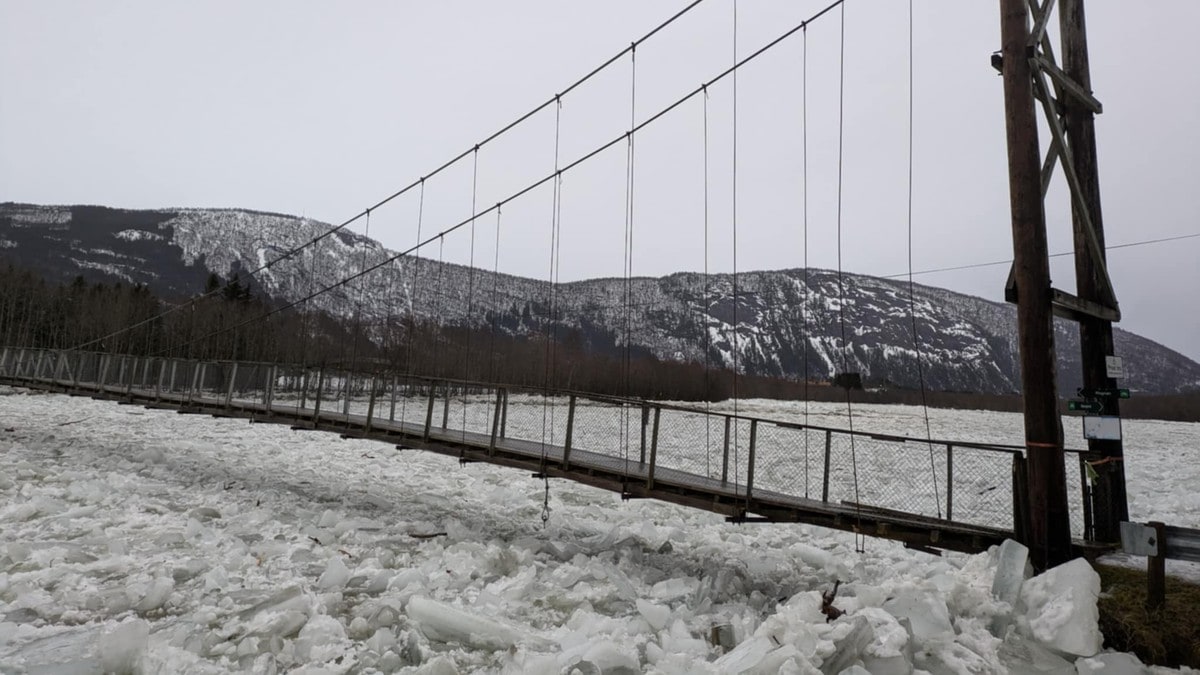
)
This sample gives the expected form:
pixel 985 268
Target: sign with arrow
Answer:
pixel 1094 407
pixel 1104 393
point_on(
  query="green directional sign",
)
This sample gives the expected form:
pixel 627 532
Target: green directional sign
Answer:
pixel 1104 393
pixel 1094 407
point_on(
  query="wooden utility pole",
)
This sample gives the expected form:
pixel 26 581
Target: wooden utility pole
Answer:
pixel 1049 526
pixel 1110 504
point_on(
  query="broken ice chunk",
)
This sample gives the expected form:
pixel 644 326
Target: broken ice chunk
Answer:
pixel 335 575
pixel 1112 663
pixel 1061 608
pixel 655 615
pixel 156 595
pixel 448 624
pixel 847 650
pixel 122 649
pixel 1011 571
pixel 926 612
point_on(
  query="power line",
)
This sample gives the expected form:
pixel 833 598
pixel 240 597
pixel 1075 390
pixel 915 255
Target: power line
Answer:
pixel 995 263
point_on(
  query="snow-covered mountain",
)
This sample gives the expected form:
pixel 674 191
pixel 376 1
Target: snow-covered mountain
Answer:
pixel 784 323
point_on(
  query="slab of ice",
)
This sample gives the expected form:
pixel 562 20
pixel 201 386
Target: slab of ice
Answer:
pixel 606 657
pixel 655 615
pixel 1012 565
pixel 444 623
pixel 925 611
pixel 122 649
pixel 156 595
pixel 746 656
pixel 335 575
pixel 1023 656
pixel 1061 608
pixel 848 649
pixel 1110 663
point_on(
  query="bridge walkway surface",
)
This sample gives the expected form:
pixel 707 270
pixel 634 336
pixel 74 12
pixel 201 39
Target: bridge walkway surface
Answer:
pixel 963 500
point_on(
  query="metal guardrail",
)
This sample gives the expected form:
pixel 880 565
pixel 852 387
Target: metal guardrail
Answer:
pixel 1158 542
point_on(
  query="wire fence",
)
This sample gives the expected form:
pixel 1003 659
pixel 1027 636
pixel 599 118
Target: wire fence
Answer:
pixel 967 483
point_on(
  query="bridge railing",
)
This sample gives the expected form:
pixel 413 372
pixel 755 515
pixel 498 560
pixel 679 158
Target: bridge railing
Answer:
pixel 970 483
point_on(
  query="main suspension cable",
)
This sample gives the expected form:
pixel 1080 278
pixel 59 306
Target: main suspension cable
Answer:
pixel 420 181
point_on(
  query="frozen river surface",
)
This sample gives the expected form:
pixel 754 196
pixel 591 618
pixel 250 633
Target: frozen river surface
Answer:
pixel 135 540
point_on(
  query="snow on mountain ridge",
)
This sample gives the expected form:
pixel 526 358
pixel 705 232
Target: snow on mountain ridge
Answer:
pixel 788 322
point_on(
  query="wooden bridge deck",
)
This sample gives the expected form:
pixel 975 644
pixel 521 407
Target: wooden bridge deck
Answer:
pixel 631 479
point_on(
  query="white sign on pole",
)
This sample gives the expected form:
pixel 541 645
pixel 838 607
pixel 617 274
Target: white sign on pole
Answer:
pixel 1101 428
pixel 1114 366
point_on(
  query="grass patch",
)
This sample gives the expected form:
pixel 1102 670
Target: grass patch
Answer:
pixel 1167 637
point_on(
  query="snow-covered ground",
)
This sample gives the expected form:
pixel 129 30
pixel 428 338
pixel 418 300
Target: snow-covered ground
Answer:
pixel 134 539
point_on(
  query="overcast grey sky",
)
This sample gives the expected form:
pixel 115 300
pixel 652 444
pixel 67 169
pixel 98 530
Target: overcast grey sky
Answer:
pixel 321 109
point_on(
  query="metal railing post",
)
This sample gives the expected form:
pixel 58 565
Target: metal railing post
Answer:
pixel 446 407
pixel 102 377
pixel 429 412
pixel 496 420
pixel 1089 523
pixel 725 459
pixel 750 460
pixel 348 382
pixel 317 401
pixel 303 389
pixel 78 370
pixel 645 422
pixel 272 375
pixel 392 411
pixel 232 380
pixel 371 403
pixel 949 481
pixel 504 417
pixel 825 478
pixel 653 448
pixel 570 430
pixel 132 374
pixel 158 384
pixel 4 362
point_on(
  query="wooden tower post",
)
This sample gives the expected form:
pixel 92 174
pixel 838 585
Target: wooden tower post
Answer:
pixel 1031 77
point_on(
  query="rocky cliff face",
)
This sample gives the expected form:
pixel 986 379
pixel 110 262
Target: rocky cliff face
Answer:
pixel 785 323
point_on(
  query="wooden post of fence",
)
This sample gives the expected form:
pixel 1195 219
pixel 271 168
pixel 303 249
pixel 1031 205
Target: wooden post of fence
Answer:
pixel 1156 570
